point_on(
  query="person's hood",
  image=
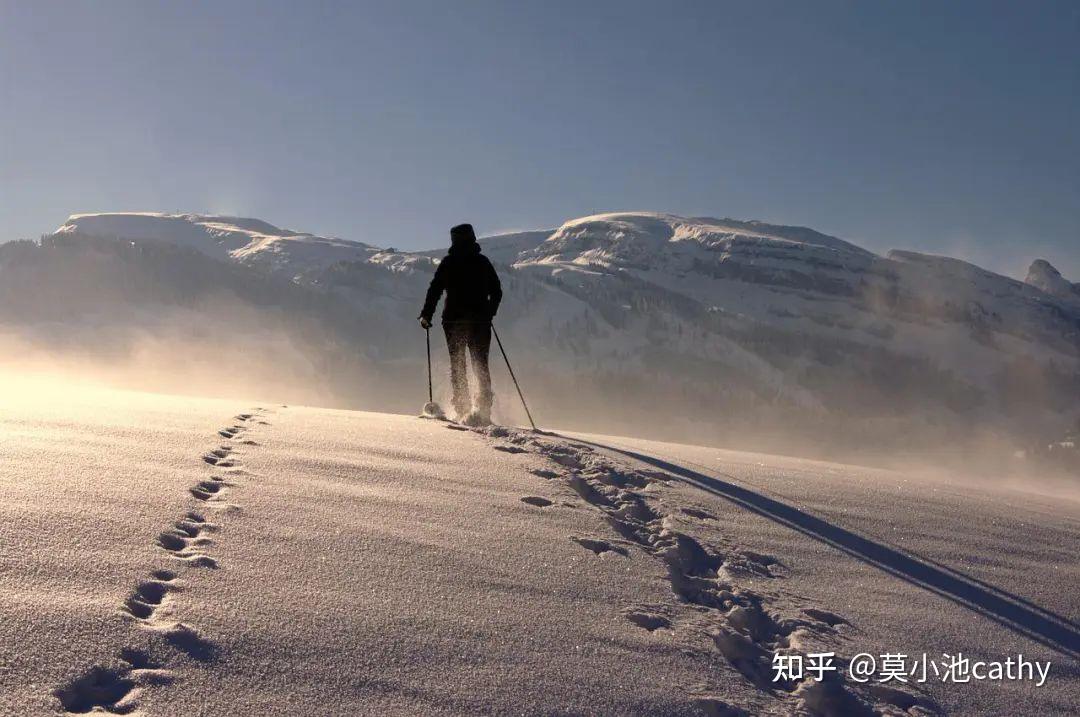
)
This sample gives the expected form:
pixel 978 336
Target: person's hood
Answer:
pixel 463 240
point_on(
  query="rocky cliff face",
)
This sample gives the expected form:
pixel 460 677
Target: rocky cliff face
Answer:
pixel 1043 276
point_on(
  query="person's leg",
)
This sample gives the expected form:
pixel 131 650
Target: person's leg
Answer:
pixel 456 342
pixel 479 347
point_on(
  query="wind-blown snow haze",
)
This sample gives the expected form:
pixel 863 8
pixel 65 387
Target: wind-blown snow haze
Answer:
pixel 716 331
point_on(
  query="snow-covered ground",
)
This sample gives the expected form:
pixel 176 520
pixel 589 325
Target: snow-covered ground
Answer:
pixel 165 556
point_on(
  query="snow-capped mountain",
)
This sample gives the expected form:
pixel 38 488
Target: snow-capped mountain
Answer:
pixel 710 324
pixel 249 241
pixel 1043 276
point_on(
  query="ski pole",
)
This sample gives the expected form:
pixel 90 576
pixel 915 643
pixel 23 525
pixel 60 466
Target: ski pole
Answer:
pixel 427 334
pixel 511 370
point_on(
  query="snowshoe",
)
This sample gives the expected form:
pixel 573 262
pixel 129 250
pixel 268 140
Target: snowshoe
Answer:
pixel 433 410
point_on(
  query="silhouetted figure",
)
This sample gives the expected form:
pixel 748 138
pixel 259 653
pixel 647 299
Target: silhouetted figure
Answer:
pixel 473 294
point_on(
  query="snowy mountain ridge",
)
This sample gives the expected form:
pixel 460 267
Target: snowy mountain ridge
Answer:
pixel 250 241
pixel 629 237
pixel 1045 277
pixel 670 310
pixel 621 240
pixel 615 240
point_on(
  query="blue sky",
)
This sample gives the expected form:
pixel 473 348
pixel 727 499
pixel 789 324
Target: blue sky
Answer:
pixel 941 127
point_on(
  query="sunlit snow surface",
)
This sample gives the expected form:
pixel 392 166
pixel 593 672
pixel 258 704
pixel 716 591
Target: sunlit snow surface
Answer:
pixel 163 555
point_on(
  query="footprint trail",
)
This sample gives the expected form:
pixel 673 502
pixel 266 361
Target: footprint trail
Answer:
pixel 724 596
pixel 118 688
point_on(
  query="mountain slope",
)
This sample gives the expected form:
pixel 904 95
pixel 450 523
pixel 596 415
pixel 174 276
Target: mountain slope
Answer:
pixel 700 329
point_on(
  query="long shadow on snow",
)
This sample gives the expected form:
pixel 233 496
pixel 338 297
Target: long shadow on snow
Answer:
pixel 1036 623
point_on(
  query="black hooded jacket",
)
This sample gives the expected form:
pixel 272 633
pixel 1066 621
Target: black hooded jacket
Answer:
pixel 472 287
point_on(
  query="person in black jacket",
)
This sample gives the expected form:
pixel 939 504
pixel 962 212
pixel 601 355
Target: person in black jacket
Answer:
pixel 473 294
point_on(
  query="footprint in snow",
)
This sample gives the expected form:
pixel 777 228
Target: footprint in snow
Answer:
pixel 185 534
pixel 172 542
pixel 220 457
pixel 698 513
pixel 829 618
pixel 147 598
pixel 599 547
pixel 189 527
pixel 188 640
pixel 647 620
pixel 98 688
pixel 205 490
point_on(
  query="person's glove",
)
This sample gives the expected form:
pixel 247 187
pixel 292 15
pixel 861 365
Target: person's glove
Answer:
pixel 425 322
